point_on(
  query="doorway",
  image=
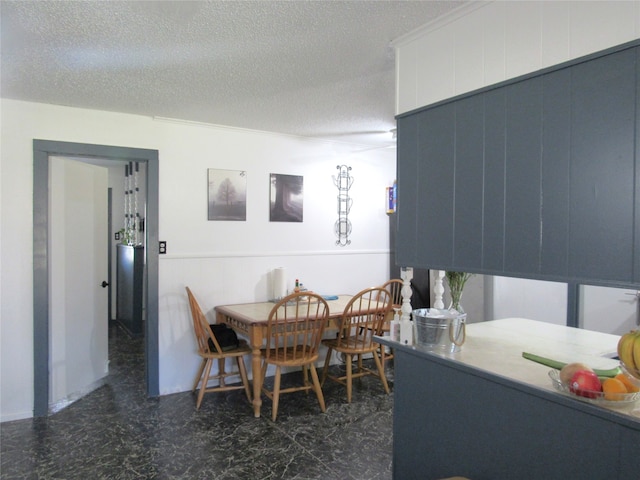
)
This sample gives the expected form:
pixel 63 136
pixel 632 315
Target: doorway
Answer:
pixel 42 151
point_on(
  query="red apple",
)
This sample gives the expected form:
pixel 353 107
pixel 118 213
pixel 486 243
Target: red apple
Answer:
pixel 585 383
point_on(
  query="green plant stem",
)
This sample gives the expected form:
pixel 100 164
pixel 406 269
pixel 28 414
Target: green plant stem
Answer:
pixel 609 372
pixel 456 281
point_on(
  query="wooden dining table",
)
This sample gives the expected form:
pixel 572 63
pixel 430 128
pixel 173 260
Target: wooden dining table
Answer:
pixel 250 320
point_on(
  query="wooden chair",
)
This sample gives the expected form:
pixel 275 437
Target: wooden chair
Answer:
pixel 394 286
pixel 294 330
pixel 204 338
pixel 362 318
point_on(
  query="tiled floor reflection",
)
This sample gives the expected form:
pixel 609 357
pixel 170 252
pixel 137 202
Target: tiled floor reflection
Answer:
pixel 117 433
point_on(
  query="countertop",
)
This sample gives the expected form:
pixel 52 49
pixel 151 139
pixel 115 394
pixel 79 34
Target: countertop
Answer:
pixel 496 347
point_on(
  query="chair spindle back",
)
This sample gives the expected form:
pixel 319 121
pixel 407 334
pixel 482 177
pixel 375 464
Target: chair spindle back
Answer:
pixel 363 318
pixel 295 326
pixel 201 326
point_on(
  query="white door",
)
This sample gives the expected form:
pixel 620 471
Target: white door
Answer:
pixel 608 310
pixel 78 254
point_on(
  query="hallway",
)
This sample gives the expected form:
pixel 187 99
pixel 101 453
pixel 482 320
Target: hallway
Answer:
pixel 116 433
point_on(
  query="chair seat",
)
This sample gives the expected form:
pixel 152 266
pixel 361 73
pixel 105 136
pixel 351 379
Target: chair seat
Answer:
pixel 288 357
pixel 243 349
pixel 351 345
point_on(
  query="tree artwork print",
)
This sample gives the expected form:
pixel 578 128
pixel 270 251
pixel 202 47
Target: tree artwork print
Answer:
pixel 227 195
pixel 286 198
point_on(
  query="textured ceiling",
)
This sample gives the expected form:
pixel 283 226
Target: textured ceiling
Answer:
pixel 323 69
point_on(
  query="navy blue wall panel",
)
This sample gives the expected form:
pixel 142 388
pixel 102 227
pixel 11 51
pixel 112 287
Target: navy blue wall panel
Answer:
pixel 494 181
pixel 436 185
pixel 602 167
pixel 407 173
pixel 522 198
pixel 636 250
pixel 468 186
pixel 556 148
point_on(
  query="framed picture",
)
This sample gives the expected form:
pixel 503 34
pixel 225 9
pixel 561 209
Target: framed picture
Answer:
pixel 227 194
pixel 286 198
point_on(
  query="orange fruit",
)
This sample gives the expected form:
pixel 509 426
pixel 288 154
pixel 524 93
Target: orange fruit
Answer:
pixel 631 388
pixel 612 388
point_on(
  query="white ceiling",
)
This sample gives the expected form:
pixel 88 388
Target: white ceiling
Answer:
pixel 308 68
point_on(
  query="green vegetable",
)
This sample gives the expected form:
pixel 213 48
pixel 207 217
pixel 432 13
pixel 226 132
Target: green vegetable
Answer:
pixel 609 373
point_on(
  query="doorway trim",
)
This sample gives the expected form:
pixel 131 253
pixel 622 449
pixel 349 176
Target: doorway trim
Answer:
pixel 42 150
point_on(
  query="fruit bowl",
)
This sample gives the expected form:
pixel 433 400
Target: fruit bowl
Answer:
pixel 613 400
pixel 632 373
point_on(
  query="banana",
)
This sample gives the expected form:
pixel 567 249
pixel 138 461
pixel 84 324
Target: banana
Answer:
pixel 626 349
pixel 623 349
pixel 636 355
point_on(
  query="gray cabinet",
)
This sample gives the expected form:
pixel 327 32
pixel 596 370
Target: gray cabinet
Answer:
pixel 451 419
pixel 535 177
pixel 130 289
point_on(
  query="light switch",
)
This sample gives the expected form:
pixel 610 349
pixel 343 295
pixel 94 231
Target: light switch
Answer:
pixel 163 248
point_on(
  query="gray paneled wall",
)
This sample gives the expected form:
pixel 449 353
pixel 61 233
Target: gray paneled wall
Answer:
pixel 535 177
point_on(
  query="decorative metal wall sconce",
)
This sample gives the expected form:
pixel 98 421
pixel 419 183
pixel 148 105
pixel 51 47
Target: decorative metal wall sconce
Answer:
pixel 343 226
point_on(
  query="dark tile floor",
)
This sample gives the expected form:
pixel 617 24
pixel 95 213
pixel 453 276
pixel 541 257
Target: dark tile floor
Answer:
pixel 116 432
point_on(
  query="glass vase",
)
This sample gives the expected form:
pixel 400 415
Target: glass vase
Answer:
pixel 455 303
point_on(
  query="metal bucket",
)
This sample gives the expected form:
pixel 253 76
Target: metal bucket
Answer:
pixel 439 330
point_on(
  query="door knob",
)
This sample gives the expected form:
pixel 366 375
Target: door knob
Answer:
pixel 104 284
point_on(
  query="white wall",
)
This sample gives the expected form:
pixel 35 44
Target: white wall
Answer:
pixel 609 310
pixel 489 42
pixel 223 262
pixel 534 299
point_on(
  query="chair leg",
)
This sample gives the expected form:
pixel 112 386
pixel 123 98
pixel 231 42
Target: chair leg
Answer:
pixel 243 375
pixel 325 370
pixel 349 376
pixel 305 376
pixel 221 371
pixel 383 353
pixel 263 372
pixel 276 393
pixel 317 388
pixel 263 376
pixel 204 382
pixel 380 366
pixel 199 375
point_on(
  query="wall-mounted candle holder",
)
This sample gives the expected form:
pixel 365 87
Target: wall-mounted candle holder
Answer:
pixel 343 182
